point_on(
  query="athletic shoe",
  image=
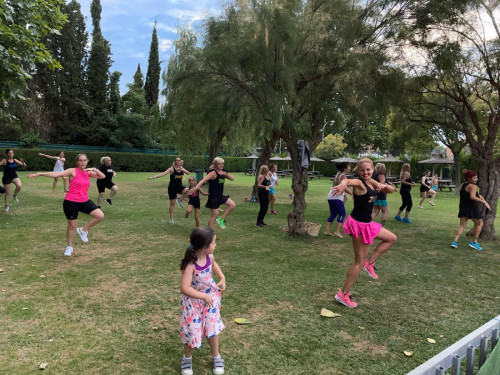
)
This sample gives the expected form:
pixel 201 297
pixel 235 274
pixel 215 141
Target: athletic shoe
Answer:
pixel 220 221
pixel 454 244
pixel 273 212
pixel 179 203
pixel 218 365
pixel 15 199
pixel 263 223
pixel 6 208
pixel 370 269
pixel 345 299
pixel 259 225
pixel 475 245
pixel 187 367
pixel 407 221
pixel 108 201
pixel 171 221
pixel 431 203
pixel 83 234
pixel 398 218
pixel 68 251
pixel 420 207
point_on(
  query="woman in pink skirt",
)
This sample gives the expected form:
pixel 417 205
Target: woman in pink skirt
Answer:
pixel 363 230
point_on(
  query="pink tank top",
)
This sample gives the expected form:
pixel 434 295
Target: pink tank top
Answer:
pixel 79 187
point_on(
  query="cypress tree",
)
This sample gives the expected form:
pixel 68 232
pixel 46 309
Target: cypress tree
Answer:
pixel 152 85
pixel 99 61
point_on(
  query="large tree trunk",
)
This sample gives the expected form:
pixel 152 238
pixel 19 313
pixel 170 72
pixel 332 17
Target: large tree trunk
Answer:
pixel 215 144
pixel 296 218
pixel 489 183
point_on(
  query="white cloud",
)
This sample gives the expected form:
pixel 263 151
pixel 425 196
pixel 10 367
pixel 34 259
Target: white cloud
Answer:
pixel 164 27
pixel 165 44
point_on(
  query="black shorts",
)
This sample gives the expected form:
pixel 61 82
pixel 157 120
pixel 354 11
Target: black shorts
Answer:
pixel 71 209
pixel 7 180
pixel 424 189
pixel 215 202
pixel 2 190
pixel 194 201
pixel 103 185
pixel 173 191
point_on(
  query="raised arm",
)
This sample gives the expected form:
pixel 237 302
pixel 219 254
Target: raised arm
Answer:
pixel 95 173
pixel 383 187
pixel 184 170
pixel 168 171
pixel 52 157
pixel 21 163
pixel 209 176
pixel 229 176
pixel 70 172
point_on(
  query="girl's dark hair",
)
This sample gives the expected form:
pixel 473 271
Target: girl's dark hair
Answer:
pixel 341 166
pixel 7 151
pixel 200 238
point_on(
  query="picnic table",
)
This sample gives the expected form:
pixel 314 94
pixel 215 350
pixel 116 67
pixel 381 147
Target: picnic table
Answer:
pixel 251 172
pixel 445 183
pixel 393 180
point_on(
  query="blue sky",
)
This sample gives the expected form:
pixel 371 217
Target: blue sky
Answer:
pixel 128 25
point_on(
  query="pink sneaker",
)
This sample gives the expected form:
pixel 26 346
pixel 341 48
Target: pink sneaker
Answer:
pixel 370 269
pixel 345 299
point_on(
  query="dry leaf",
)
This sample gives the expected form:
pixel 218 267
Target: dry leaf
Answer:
pixel 242 321
pixel 361 327
pixel 42 276
pixel 43 365
pixel 1 270
pixel 408 353
pixel 328 314
pixel 155 328
pixel 432 341
pixel 441 336
pixel 25 308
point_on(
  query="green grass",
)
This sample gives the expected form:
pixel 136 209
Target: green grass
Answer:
pixel 113 307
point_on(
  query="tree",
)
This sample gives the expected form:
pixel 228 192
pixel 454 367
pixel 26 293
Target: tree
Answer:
pixel 152 84
pixel 134 100
pixel 331 147
pixel 460 78
pixel 114 99
pixel 23 25
pixel 99 61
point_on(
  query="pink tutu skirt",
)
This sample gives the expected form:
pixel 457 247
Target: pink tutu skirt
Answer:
pixel 368 231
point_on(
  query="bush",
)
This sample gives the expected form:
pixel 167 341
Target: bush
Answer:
pixel 30 139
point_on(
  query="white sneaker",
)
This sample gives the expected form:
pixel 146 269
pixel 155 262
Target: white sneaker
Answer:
pixel 171 221
pixel 15 199
pixel 68 251
pixel 83 234
pixel 179 202
pixel 6 208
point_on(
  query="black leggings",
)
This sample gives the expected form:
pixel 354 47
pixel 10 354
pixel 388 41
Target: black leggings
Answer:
pixel 407 202
pixel 264 204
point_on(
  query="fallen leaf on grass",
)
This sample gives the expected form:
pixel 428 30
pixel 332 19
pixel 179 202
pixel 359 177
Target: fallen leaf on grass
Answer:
pixel 361 328
pixel 328 314
pixel 242 321
pixel 408 353
pixel 432 341
pixel 172 299
pixel 25 308
pixel 1 270
pixel 155 328
pixel 441 336
pixel 43 365
pixel 42 276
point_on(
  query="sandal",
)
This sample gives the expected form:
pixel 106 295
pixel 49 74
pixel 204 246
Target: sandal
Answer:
pixel 218 365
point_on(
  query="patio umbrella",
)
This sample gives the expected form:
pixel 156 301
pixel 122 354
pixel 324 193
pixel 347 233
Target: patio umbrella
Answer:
pixel 389 160
pixel 437 161
pixel 254 157
pixel 314 158
pixel 344 159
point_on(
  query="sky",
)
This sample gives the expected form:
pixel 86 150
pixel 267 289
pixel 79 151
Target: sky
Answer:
pixel 128 26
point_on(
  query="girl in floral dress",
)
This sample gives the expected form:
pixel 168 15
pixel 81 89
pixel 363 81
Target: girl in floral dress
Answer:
pixel 200 302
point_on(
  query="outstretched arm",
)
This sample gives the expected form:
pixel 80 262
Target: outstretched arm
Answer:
pixel 168 171
pixel 184 170
pixel 70 172
pixel 21 163
pixel 209 176
pixel 52 157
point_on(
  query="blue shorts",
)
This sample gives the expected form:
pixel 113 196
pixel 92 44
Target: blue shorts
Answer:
pixel 271 190
pixel 380 202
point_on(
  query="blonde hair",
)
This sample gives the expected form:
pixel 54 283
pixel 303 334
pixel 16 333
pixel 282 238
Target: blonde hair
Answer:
pixel 262 167
pixel 379 167
pixel 361 161
pixel 78 157
pixel 217 160
pixel 404 168
pixel 104 158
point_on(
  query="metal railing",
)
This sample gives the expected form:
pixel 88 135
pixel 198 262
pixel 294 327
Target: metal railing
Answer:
pixel 465 348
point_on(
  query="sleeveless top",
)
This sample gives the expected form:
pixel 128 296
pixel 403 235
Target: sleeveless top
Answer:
pixel 216 186
pixel 274 178
pixel 331 193
pixel 466 204
pixel 406 188
pixel 78 187
pixel 363 205
pixel 266 182
pixel 10 169
pixel 176 179
pixel 381 196
pixel 59 166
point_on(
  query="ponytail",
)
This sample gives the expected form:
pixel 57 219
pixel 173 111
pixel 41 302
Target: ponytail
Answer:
pixel 189 257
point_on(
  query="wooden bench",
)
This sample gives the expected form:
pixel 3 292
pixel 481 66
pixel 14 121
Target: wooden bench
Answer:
pixel 444 186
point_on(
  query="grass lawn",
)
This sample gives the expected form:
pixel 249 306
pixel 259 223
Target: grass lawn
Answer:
pixel 113 307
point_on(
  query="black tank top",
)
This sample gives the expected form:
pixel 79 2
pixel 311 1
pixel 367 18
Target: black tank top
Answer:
pixel 266 182
pixel 10 169
pixel 107 170
pixel 406 188
pixel 176 179
pixel 381 196
pixel 363 205
pixel 216 186
pixel 466 204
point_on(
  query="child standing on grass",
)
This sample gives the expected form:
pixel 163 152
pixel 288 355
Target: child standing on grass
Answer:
pixel 194 201
pixel 363 230
pixel 200 302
